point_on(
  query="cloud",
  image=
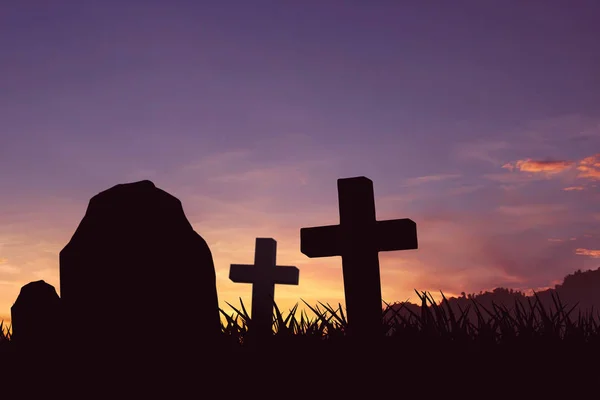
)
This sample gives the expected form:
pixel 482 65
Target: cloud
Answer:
pixel 588 252
pixel 513 180
pixel 464 189
pixel 531 209
pixel 573 188
pixel 9 269
pixel 481 151
pixel 389 204
pixel 482 248
pixel 539 166
pixel 566 128
pixel 586 168
pixel 549 135
pixel 589 167
pixel 527 259
pixel 430 178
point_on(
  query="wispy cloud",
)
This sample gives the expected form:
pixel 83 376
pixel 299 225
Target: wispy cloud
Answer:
pixel 559 240
pixel 486 151
pixel 531 209
pixel 517 218
pixel 391 202
pixel 430 178
pixel 586 168
pixel 589 167
pixel 588 252
pixel 512 180
pixel 464 189
pixel 539 166
pixel 9 269
pixel 565 128
pixel 573 188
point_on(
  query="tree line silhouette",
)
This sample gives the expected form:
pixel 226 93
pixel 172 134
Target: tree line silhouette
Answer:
pixel 579 292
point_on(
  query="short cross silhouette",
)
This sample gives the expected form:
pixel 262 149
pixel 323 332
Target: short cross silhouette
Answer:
pixel 263 276
pixel 358 239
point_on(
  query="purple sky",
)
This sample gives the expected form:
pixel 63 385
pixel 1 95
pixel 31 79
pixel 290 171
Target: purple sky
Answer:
pixel 471 117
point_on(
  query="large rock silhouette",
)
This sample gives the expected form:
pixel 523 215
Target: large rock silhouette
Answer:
pixel 136 276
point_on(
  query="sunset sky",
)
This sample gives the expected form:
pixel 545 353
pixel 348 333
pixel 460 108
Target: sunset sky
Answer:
pixel 479 120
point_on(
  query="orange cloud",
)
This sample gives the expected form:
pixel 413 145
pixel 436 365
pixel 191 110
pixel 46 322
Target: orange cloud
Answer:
pixel 588 252
pixel 9 269
pixel 592 160
pixel 589 167
pixel 539 166
pixel 509 166
pixel 571 188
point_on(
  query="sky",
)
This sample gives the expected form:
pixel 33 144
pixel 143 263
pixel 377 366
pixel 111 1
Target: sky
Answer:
pixel 479 120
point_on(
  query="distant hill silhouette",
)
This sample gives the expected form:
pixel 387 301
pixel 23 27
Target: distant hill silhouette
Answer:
pixel 579 290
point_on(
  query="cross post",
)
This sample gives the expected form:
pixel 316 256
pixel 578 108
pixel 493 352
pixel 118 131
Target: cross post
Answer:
pixel 263 276
pixel 357 239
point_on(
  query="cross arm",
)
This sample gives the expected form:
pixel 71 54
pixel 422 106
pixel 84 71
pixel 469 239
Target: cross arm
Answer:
pixel 286 275
pixel 396 234
pixel 320 241
pixel 241 273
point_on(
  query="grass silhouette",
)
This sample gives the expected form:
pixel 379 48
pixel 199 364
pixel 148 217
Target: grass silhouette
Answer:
pixel 435 323
pixel 434 343
pixel 4 335
pixel 500 325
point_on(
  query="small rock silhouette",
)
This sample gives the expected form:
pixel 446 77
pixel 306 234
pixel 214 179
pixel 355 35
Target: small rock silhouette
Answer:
pixel 36 318
pixel 135 275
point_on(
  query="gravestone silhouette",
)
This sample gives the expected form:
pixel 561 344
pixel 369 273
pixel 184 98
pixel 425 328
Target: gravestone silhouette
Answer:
pixel 135 264
pixel 358 239
pixel 263 275
pixel 36 318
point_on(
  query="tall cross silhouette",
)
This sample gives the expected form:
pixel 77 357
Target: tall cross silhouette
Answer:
pixel 358 239
pixel 263 276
